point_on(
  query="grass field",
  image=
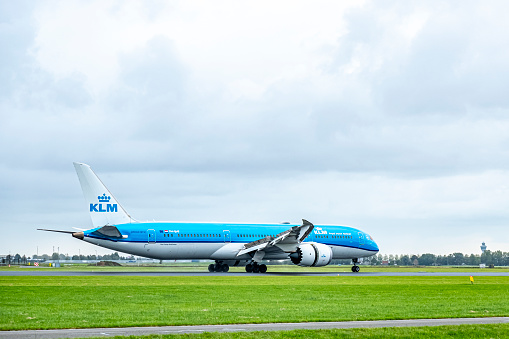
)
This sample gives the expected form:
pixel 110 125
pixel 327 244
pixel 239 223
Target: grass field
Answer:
pixel 107 301
pixel 463 331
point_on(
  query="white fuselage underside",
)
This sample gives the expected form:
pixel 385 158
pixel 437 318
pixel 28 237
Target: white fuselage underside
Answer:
pixel 212 251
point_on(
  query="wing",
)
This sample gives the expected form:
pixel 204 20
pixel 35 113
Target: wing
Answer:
pixel 286 241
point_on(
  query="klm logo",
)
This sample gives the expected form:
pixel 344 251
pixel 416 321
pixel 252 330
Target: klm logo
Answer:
pixel 103 205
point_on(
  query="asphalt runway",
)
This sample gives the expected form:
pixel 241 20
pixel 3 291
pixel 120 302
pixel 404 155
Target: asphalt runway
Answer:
pixel 108 332
pixel 57 273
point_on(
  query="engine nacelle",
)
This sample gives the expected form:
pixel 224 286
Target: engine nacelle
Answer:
pixel 312 254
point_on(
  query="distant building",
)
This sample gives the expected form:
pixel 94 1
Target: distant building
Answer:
pixel 483 247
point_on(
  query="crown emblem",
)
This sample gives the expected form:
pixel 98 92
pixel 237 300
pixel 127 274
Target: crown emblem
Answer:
pixel 104 198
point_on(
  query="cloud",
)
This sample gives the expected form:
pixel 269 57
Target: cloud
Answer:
pixel 389 116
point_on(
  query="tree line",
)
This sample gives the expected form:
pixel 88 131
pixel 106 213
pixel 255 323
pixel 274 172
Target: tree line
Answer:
pixel 61 256
pixel 497 258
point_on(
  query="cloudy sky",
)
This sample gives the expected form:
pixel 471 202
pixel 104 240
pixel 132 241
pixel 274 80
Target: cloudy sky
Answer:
pixel 392 117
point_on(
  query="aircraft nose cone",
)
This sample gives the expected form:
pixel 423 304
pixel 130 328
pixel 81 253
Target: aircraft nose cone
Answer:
pixel 79 235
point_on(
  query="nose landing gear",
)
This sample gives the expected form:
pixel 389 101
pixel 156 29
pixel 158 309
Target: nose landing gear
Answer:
pixel 255 268
pixel 219 266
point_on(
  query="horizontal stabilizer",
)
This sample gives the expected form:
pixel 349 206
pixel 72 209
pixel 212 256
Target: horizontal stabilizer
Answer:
pixel 58 231
pixel 78 235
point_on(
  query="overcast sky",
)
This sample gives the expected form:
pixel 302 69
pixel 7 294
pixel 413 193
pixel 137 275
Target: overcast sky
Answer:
pixel 392 117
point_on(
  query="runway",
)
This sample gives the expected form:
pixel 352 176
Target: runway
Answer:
pixel 108 332
pixel 58 273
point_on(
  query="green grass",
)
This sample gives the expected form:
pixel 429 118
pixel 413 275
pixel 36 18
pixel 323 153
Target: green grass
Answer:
pixel 116 301
pixel 462 331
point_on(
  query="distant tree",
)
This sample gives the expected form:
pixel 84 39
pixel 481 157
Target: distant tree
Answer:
pixel 474 259
pixel 505 259
pixel 450 259
pixel 498 258
pixel 487 258
pixel 54 256
pixel 427 259
pixel 458 258
pixel 404 260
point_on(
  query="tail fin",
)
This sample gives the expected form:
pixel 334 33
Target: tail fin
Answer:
pixel 103 207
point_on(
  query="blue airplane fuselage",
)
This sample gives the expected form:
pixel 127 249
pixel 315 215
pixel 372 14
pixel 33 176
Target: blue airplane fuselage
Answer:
pixel 184 240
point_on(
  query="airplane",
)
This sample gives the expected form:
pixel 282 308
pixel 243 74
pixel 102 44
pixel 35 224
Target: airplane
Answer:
pixel 227 243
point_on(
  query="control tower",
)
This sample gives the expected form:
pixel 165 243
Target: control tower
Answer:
pixel 483 247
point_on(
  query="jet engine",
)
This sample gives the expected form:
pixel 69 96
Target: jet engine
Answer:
pixel 312 254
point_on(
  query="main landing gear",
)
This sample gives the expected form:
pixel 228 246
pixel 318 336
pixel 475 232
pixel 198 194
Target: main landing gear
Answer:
pixel 355 268
pixel 255 268
pixel 219 267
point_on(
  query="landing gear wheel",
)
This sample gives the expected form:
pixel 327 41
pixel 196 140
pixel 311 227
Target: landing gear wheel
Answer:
pixel 263 268
pixel 249 268
pixel 211 268
pixel 356 268
pixel 256 269
pixel 225 268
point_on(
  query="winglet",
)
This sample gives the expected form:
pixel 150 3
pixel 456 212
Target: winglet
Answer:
pixel 308 230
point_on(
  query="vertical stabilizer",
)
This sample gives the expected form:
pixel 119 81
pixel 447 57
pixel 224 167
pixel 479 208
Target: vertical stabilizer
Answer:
pixel 103 207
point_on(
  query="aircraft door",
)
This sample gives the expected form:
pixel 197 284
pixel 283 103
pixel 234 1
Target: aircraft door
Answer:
pixel 151 234
pixel 226 235
pixel 361 239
